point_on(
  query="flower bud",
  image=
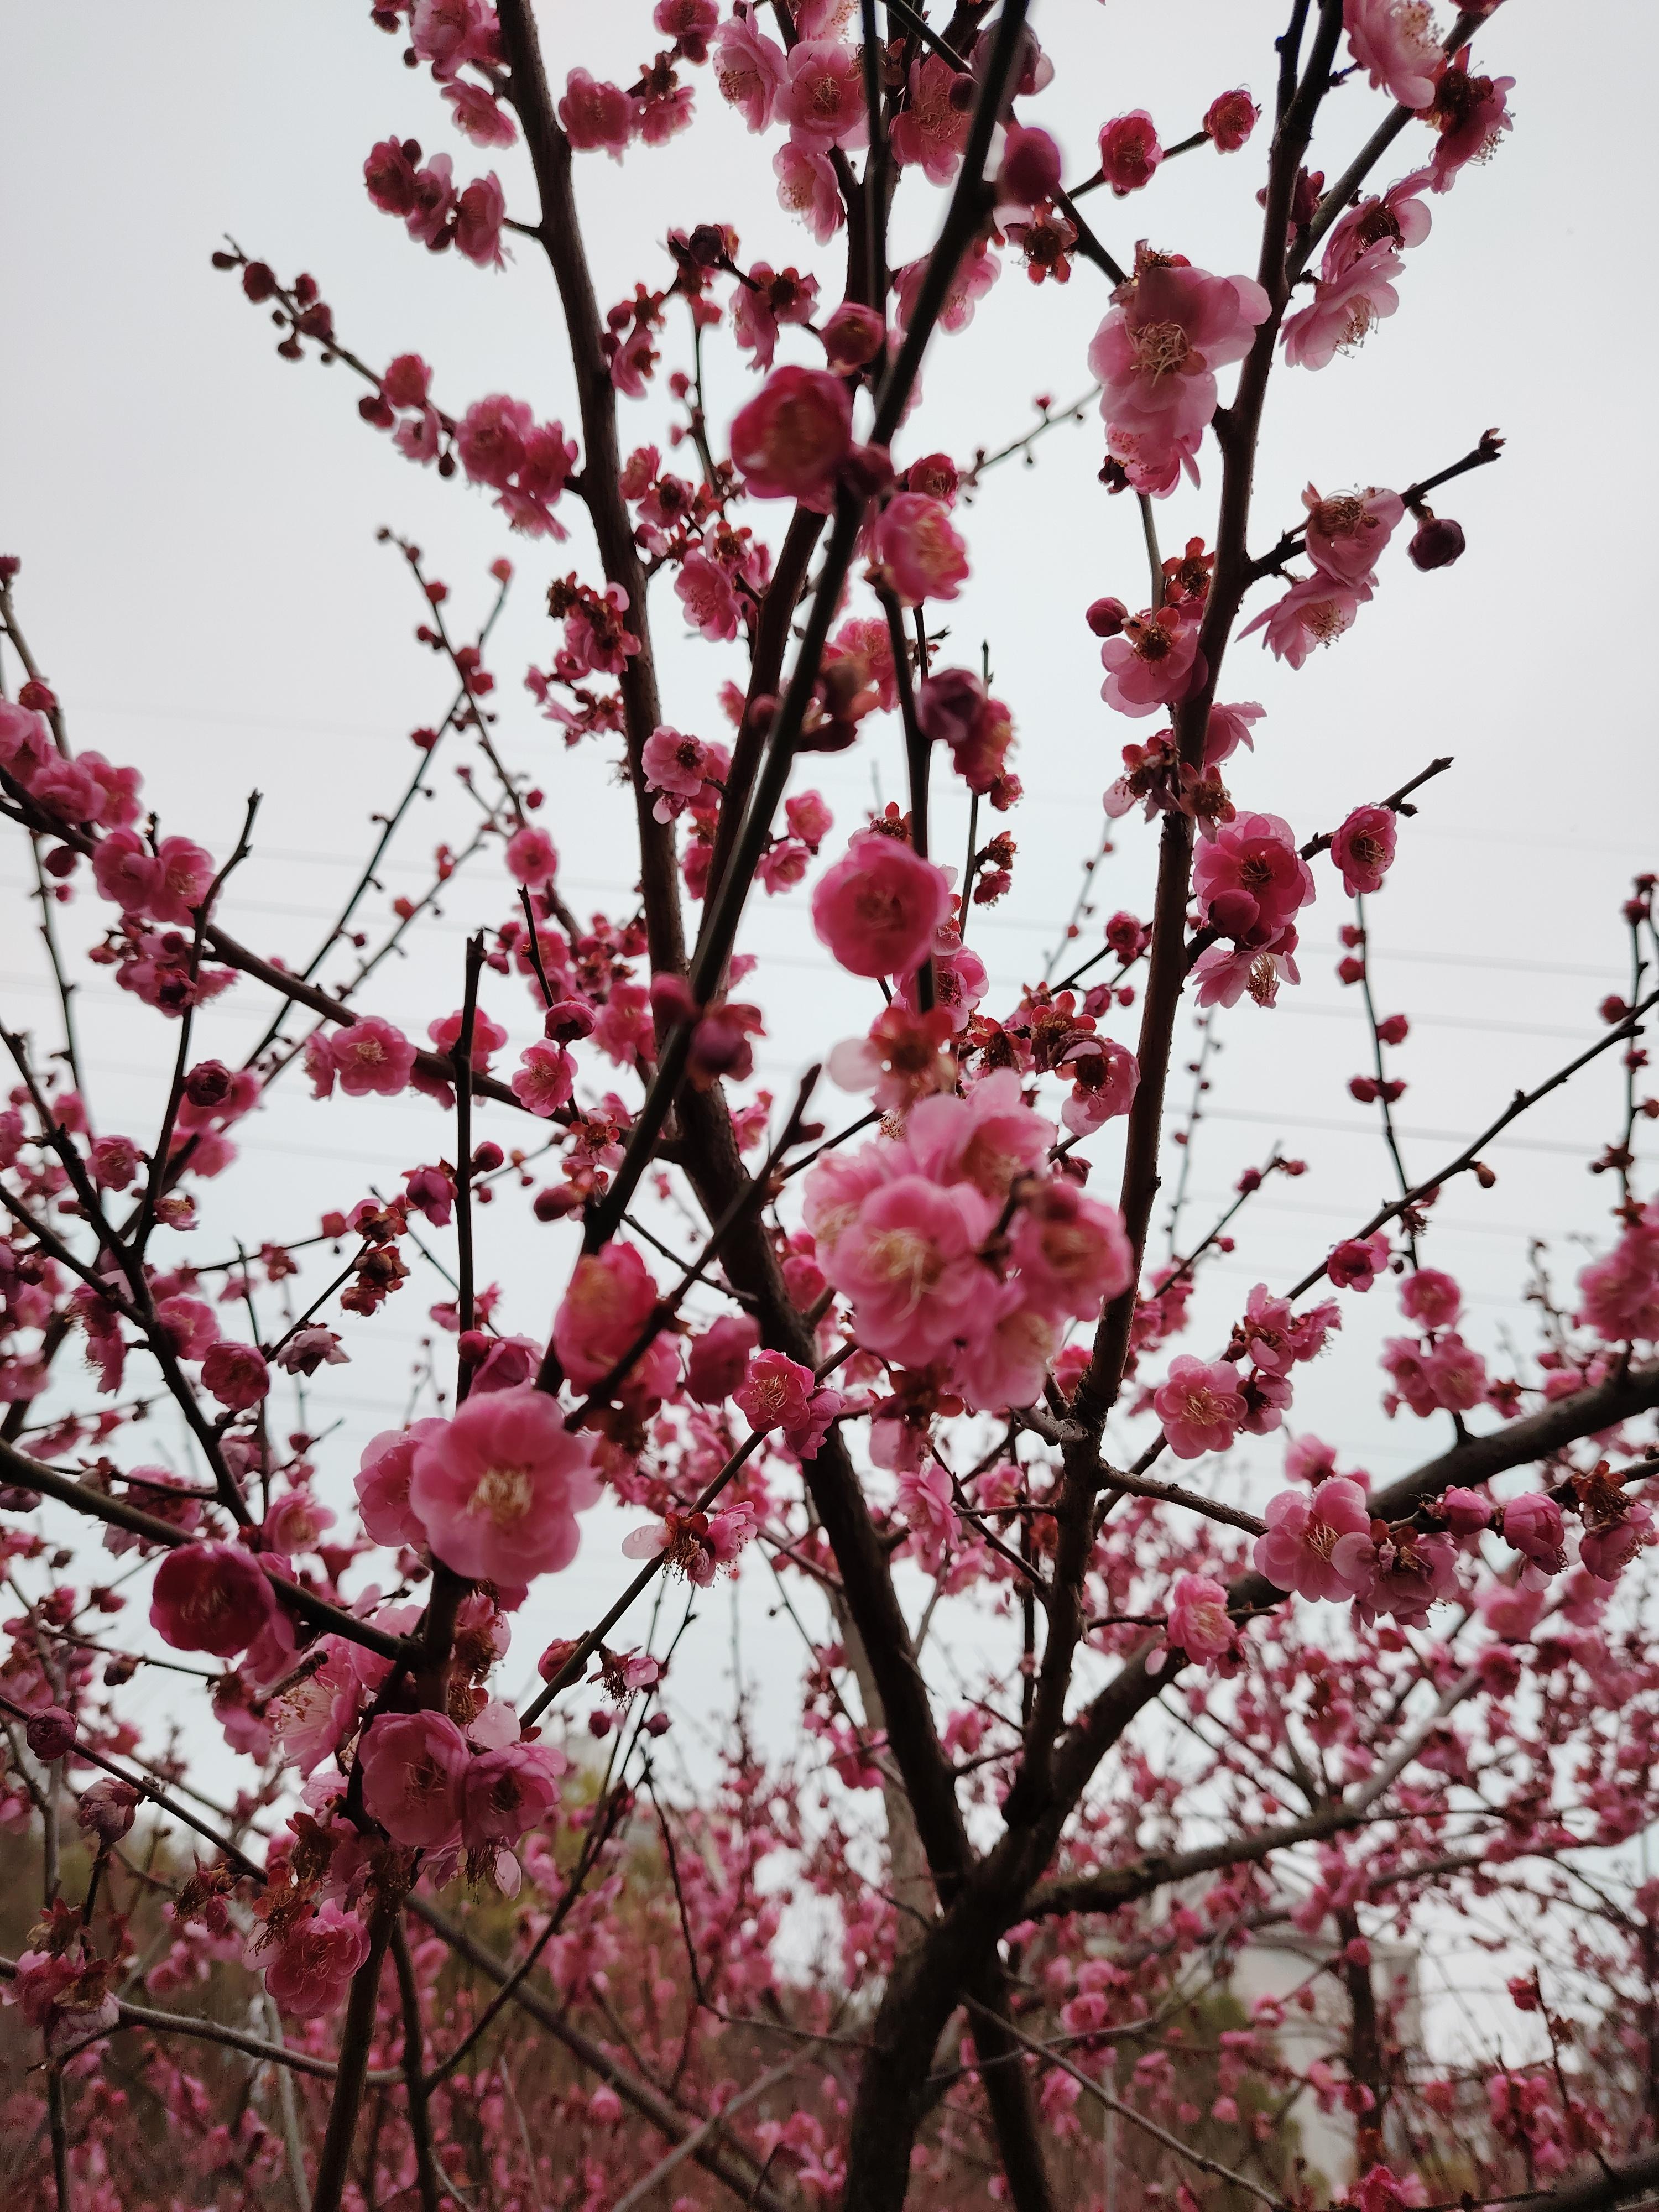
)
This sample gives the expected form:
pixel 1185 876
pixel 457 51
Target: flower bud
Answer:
pixel 51 1733
pixel 1437 543
pixel 1106 617
pixel 853 336
pixel 106 1808
pixel 1030 167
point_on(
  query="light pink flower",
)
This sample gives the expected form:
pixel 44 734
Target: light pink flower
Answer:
pixel 1430 1298
pixel 1471 113
pixel 1320 1547
pixel 448 32
pixel 1250 878
pixel 824 94
pixel 596 115
pixel 749 69
pixel 930 131
pixel 310 1970
pixel 878 907
pixel 1228 728
pixel 1071 1250
pixel 1343 310
pixel 544 1077
pixel 976 273
pixel 1619 1293
pixel 793 437
pixel 190 1325
pixel 604 1308
pixel 1198 1622
pixel 926 1501
pixel 1346 535
pixel 986 1139
pixel 1410 1573
pixel 382 1483
pixel 909 1263
pixel 1363 848
pixel 807 187
pixel 1129 152
pixel 414 1769
pixel 498 1486
pixel 1152 661
pixel 1005 1361
pixel 1395 40
pixel 1200 1406
pixel 1105 1076
pixel 1315 610
pixel 1608 1549
pixel 1156 354
pixel 479 116
pixel 705 590
pixel 916 544
pixel 210 1597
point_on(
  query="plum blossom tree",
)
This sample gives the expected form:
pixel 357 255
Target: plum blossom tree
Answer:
pixel 1080 1714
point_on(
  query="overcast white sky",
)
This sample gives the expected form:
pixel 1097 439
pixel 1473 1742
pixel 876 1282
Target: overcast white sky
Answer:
pixel 197 522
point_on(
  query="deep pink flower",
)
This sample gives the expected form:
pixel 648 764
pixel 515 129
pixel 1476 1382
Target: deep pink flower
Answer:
pixel 776 1393
pixel 1410 1573
pixel 604 1308
pixel 1346 535
pixel 210 1597
pixel 1198 1622
pixel 531 857
pixel 719 1359
pixel 498 1486
pixel 909 1263
pixel 448 32
pixel 1129 152
pixel 1315 610
pixel 1229 120
pixel 1607 1549
pixel 370 1055
pixel 976 273
pixel 432 204
pixel 915 542
pixel 1395 41
pixel 749 69
pixel 824 94
pixel 1355 1264
pixel 1363 848
pixel 878 907
pixel 479 214
pixel 1467 1511
pixel 414 1768
pixel 1105 1076
pixel 191 1326
pixel 1007 1358
pixel 1250 878
pixel 382 1483
pixel 1071 1250
pixel 1156 354
pixel 1152 661
pixel 1200 1406
pixel 126 872
pixel 295 1522
pixel 236 1375
pixel 508 1791
pixel 389 176
pixel 544 1077
pixel 1532 1525
pixel 1030 171
pixel 793 437
pixel 1318 1546
pixel 596 115
pixel 1228 728
pixel 986 1139
pixel 185 873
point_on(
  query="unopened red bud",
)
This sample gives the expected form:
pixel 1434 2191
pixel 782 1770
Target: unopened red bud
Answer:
pixel 473 1346
pixel 61 860
pixel 487 1159
pixel 963 94
pixel 1106 617
pixel 9 565
pixel 853 336
pixel 50 1733
pixel 566 1020
pixel 258 281
pixel 866 470
pixel 1437 543
pixel 600 1722
pixel 657 1725
pixel 1030 167
pixel 554 1203
pixel 208 1083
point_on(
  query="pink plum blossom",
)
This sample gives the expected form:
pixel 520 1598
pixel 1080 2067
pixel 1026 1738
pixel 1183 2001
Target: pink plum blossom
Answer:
pixel 909 1263
pixel 1318 1546
pixel 1250 878
pixel 1346 534
pixel 1071 1250
pixel 370 1055
pixel 1172 327
pixel 531 859
pixel 793 437
pixel 1363 848
pixel 543 1078
pixel 932 129
pixel 597 115
pixel 382 1483
pixel 1200 1406
pixel 414 1768
pixel 210 1597
pixel 498 1487
pixel 1129 152
pixel 309 1973
pixel 1395 42
pixel 719 1359
pixel 606 1302
pixel 508 1791
pixel 824 94
pixel 749 69
pixel 1153 661
pixel 916 544
pixel 1344 309
pixel 1532 1525
pixel 878 907
pixel 1198 1622
pixel 1315 610
pixel 807 187
pixel 1619 1293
